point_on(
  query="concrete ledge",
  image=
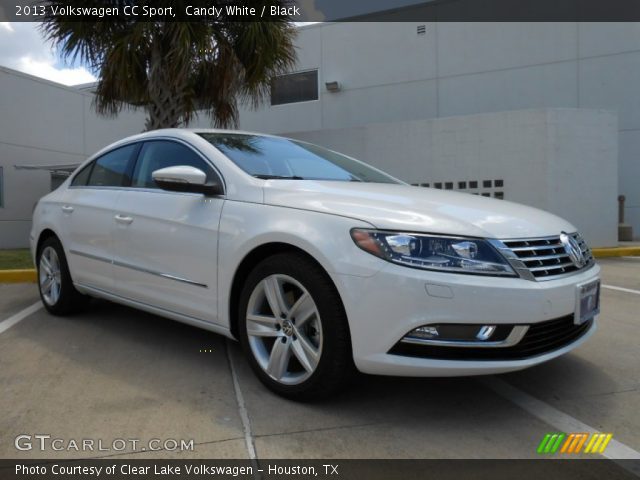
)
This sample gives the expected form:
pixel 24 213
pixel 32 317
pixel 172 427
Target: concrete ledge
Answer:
pixel 18 276
pixel 616 252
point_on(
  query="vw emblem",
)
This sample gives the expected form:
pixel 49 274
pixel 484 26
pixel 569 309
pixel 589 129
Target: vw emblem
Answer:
pixel 287 328
pixel 572 248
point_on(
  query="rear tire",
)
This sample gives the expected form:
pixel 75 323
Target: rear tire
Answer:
pixel 293 328
pixel 57 291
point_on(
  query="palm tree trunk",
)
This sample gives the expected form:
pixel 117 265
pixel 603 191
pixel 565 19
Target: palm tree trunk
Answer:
pixel 167 91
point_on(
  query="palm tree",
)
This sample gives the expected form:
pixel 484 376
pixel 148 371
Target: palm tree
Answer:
pixel 174 69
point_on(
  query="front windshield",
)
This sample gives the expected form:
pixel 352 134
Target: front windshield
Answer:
pixel 276 157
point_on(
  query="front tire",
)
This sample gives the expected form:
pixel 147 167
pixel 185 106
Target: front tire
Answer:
pixel 293 328
pixel 57 292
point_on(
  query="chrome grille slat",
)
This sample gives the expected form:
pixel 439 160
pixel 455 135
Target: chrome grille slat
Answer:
pixel 540 247
pixel 543 258
pixel 552 267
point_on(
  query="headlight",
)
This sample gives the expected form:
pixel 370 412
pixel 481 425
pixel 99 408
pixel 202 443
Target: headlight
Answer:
pixel 447 254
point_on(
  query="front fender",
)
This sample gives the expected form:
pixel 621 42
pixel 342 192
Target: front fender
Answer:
pixel 247 226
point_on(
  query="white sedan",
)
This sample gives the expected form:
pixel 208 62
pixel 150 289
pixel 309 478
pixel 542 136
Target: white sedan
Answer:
pixel 318 263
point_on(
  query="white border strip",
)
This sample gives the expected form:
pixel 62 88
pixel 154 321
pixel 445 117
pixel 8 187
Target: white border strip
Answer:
pixel 560 420
pixel 12 320
pixel 621 289
pixel 244 415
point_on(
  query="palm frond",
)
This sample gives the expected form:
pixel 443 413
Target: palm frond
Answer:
pixel 176 69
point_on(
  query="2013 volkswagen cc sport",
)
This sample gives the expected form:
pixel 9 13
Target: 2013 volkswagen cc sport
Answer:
pixel 318 263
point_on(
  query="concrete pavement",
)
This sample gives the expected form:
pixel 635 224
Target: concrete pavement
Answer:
pixel 116 373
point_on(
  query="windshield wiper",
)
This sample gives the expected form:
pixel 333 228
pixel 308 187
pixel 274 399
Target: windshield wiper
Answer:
pixel 278 177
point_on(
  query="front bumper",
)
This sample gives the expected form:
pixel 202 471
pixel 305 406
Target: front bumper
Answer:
pixel 383 308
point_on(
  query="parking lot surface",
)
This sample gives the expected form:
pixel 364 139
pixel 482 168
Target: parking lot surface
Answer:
pixel 116 373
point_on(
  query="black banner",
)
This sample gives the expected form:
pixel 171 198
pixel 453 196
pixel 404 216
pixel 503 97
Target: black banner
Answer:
pixel 551 469
pixel 326 10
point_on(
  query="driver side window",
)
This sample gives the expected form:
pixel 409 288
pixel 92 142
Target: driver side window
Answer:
pixel 161 154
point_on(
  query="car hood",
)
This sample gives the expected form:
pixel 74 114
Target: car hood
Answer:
pixel 418 209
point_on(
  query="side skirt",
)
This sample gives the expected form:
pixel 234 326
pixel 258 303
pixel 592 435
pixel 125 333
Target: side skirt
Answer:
pixel 195 322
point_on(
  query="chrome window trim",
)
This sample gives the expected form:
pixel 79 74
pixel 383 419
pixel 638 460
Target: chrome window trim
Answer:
pixel 142 142
pixel 95 157
pixel 145 190
pixel 115 263
pixel 516 334
pixel 191 147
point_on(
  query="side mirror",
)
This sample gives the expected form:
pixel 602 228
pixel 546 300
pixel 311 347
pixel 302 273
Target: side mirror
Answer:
pixel 183 178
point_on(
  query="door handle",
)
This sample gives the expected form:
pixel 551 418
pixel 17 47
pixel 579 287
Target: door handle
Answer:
pixel 124 220
pixel 67 209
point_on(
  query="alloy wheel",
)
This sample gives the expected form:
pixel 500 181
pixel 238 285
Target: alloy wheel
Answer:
pixel 50 276
pixel 284 329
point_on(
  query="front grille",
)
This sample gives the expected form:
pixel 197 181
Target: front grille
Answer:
pixel 541 258
pixel 541 338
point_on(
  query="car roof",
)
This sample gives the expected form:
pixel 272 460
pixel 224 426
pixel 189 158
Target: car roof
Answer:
pixel 179 131
pixel 184 133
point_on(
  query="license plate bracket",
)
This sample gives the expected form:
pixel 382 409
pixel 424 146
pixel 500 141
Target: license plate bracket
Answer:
pixel 587 301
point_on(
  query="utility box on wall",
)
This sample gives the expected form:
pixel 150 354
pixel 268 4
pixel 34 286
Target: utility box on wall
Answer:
pixel 561 160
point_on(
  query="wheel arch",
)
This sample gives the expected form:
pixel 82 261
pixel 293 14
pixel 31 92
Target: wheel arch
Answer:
pixel 248 263
pixel 45 234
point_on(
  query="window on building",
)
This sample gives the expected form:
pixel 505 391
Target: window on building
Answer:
pixel 163 154
pixel 110 170
pixel 1 188
pixel 295 87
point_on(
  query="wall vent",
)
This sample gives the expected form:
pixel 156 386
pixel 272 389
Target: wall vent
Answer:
pixel 485 188
pixel 421 30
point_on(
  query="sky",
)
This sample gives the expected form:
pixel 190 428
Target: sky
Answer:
pixel 23 48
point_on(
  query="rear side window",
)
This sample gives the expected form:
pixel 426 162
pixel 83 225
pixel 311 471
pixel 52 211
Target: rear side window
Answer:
pixel 82 177
pixel 110 170
pixel 162 154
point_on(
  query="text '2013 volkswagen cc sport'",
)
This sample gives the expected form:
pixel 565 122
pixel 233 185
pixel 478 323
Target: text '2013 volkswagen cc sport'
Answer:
pixel 318 263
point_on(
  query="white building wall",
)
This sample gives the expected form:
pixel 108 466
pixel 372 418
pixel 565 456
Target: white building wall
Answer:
pixel 388 73
pixel 44 123
pixel 550 158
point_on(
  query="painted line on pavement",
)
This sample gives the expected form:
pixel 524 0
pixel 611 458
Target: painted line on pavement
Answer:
pixel 621 289
pixel 560 420
pixel 21 315
pixel 242 409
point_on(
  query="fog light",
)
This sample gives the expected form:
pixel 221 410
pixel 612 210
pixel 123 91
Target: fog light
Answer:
pixel 485 332
pixel 466 335
pixel 459 333
pixel 424 332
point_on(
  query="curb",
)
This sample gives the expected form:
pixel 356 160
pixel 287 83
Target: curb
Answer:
pixel 27 275
pixel 616 252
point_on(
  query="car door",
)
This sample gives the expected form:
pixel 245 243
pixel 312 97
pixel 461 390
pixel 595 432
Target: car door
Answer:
pixel 166 243
pixel 87 216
